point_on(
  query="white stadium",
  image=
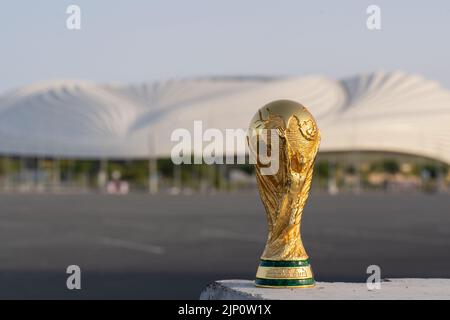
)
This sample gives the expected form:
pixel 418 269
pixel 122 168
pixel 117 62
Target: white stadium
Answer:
pixel 380 112
pixel 383 112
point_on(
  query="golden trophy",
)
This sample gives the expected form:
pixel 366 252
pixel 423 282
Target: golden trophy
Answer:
pixel 284 262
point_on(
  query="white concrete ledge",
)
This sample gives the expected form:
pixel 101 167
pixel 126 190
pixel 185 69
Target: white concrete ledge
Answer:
pixel 391 289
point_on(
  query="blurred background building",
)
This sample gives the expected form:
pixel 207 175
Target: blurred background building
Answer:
pixel 381 131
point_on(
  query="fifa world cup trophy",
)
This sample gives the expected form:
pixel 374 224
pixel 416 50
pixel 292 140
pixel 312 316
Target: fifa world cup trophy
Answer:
pixel 287 129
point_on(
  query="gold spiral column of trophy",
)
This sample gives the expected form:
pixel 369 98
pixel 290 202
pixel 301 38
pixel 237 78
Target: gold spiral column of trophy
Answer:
pixel 284 262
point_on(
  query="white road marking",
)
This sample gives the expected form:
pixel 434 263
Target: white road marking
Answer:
pixel 136 246
pixel 227 234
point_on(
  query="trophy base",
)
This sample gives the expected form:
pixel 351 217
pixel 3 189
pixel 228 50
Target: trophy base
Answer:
pixel 284 274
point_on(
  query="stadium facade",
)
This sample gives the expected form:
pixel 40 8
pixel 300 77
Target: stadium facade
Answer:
pixel 387 112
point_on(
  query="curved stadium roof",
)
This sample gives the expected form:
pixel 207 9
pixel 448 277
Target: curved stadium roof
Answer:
pixel 381 111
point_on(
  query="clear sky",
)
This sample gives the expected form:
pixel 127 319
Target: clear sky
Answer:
pixel 133 41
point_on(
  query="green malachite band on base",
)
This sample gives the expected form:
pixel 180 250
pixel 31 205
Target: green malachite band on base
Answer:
pixel 284 282
pixel 285 263
pixel 284 274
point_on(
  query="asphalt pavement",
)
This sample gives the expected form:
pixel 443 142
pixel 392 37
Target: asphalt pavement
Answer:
pixel 170 247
